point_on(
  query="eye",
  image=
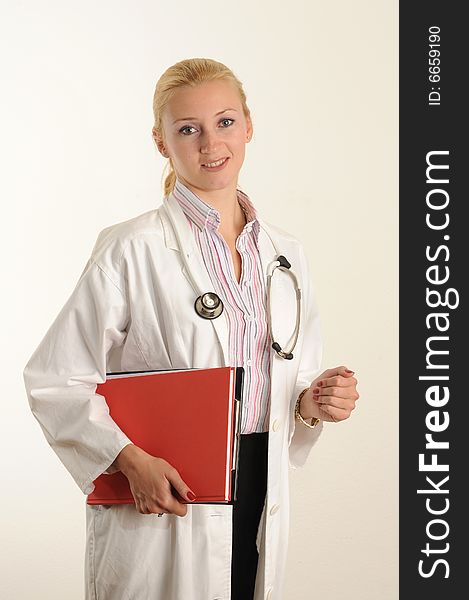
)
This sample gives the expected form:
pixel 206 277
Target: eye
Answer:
pixel 227 123
pixel 185 127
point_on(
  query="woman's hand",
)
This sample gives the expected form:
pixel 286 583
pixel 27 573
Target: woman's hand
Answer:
pixel 150 480
pixel 331 396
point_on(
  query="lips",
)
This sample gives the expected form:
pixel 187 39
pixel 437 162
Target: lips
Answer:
pixel 211 162
pixel 219 167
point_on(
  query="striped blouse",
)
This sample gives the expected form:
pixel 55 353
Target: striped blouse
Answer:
pixel 244 302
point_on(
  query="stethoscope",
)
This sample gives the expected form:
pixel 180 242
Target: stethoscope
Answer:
pixel 209 305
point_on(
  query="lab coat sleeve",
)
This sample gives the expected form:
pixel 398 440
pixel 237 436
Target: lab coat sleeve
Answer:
pixel 302 438
pixel 61 375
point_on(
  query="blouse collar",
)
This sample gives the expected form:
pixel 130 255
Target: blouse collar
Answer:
pixel 205 216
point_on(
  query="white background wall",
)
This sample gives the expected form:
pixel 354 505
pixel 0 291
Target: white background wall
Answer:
pixel 77 83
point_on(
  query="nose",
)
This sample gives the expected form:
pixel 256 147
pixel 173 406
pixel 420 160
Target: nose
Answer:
pixel 209 142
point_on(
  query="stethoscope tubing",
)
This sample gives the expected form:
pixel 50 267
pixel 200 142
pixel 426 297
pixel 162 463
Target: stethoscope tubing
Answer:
pixel 288 354
pixel 276 264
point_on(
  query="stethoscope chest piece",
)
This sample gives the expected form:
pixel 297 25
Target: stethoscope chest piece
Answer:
pixel 208 306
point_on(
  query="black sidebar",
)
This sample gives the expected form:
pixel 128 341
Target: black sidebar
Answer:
pixel 434 363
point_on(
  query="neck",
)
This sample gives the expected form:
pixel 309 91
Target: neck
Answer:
pixel 225 201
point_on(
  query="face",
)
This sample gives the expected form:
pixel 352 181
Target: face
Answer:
pixel 202 125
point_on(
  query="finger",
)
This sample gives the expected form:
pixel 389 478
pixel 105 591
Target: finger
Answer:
pixel 145 504
pixel 166 503
pixel 177 495
pixel 179 485
pixel 341 370
pixel 154 509
pixel 140 504
pixel 175 507
pixel 338 397
pixel 171 504
pixel 143 509
pixel 158 511
pixel 146 507
pixel 345 372
pixel 343 403
pixel 337 392
pixel 337 380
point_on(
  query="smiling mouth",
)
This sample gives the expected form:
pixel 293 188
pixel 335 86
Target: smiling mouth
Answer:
pixel 216 163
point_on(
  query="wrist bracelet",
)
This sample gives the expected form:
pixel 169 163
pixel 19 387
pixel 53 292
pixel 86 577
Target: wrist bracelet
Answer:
pixel 314 420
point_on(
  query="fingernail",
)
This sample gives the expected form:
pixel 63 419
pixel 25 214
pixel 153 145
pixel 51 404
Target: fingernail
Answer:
pixel 315 391
pixel 349 371
pixel 191 496
pixel 319 383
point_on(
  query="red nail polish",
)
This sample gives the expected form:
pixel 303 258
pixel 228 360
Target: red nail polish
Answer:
pixel 315 391
pixel 191 496
pixel 319 383
pixel 349 371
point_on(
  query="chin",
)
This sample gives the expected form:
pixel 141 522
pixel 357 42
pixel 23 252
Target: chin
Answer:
pixel 219 179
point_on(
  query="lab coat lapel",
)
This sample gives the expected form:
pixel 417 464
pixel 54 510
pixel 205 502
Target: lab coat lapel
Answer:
pixel 194 262
pixel 267 249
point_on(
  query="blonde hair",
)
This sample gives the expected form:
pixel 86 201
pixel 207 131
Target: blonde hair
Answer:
pixel 188 72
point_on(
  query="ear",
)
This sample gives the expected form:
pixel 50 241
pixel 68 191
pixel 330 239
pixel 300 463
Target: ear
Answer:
pixel 159 143
pixel 249 128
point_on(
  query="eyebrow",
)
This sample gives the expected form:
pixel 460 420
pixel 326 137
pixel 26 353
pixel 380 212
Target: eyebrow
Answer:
pixel 194 118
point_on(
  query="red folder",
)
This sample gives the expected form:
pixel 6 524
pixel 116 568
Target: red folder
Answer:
pixel 189 417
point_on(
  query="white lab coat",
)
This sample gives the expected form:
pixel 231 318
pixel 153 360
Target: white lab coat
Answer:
pixel 132 309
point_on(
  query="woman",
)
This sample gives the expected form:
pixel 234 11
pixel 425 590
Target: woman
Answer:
pixel 132 309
